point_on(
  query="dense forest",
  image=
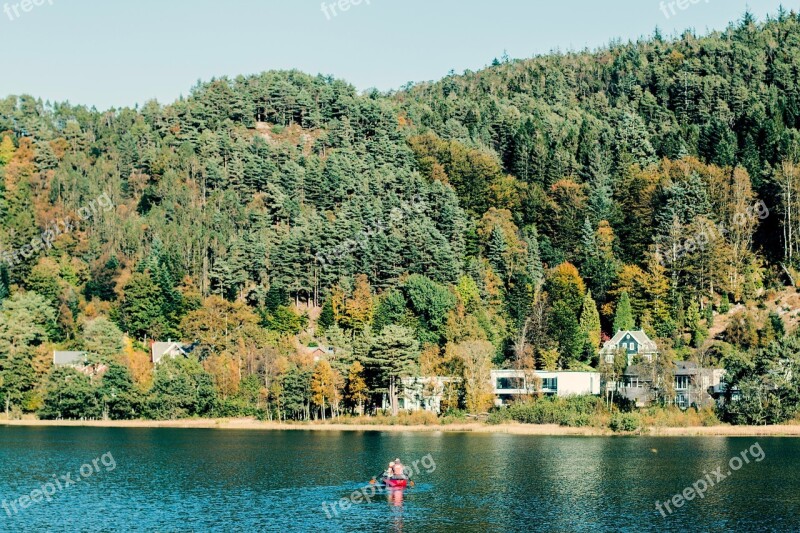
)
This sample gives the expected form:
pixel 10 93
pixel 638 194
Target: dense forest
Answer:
pixel 511 217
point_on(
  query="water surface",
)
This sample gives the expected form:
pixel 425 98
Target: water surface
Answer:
pixel 226 480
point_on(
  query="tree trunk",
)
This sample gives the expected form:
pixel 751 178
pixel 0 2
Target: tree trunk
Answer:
pixel 393 395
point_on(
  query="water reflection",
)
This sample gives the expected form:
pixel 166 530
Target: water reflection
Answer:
pixel 395 499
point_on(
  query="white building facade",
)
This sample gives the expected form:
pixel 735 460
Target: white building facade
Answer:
pixel 510 384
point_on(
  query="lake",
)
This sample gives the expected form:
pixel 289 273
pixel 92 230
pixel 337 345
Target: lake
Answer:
pixel 114 479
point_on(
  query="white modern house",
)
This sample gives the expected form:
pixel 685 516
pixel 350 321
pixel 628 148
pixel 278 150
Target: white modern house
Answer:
pixel 510 384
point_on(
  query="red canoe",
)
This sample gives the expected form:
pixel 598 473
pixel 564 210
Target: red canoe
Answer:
pixel 395 483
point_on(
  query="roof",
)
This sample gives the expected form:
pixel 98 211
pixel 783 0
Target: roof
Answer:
pixel 69 358
pixel 160 349
pixel 682 368
pixel 646 345
pixel 686 368
pixel 638 371
pixel 324 349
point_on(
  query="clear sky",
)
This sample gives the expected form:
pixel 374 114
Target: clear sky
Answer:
pixel 122 52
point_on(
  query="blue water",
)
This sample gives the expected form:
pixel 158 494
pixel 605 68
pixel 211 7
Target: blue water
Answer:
pixel 215 480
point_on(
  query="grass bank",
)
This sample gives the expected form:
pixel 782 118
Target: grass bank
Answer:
pixel 516 428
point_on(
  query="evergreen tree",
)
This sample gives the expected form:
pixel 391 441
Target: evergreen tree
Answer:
pixel 142 306
pixel 623 316
pixel 393 355
pixel 601 205
pixel 590 323
pixel 326 317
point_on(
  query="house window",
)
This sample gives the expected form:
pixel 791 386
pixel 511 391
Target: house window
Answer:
pixel 682 400
pixel 510 383
pixel 550 384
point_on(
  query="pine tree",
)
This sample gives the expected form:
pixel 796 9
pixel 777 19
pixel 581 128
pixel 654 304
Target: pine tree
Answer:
pixel 393 355
pixel 141 308
pixel 694 325
pixel 601 203
pixel 590 322
pixel 588 251
pixel 496 250
pixel 535 268
pixel 623 317
pixel 725 305
pixel 326 318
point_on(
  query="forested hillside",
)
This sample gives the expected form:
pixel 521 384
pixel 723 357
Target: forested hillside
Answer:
pixel 514 216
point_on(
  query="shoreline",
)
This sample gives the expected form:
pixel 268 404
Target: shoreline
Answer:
pixel 467 427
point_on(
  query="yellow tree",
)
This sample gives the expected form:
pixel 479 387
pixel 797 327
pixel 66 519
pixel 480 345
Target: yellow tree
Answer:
pixel 226 373
pixel 476 362
pixel 361 307
pixel 356 388
pixel 20 168
pixel 7 150
pixel 633 281
pixel 138 362
pixel 564 283
pixel 219 324
pixel 323 385
pixel 337 299
pixel 657 288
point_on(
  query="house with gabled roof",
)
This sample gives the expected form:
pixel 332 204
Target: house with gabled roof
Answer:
pixel 169 349
pixel 694 385
pixel 633 343
pixel 70 359
pixel 79 361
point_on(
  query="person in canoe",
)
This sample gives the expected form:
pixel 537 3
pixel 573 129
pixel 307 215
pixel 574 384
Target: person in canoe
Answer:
pixel 394 476
pixel 398 469
pixel 389 471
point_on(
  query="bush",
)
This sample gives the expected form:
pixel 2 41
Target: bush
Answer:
pixel 233 408
pixel 414 418
pixel 454 416
pixel 500 416
pixel 708 417
pixel 575 411
pixel 625 422
pixel 577 420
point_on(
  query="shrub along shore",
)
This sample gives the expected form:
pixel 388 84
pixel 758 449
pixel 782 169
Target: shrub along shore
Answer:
pixel 722 430
pixel 579 415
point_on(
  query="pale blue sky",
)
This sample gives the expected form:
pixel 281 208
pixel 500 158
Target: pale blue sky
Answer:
pixel 120 52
